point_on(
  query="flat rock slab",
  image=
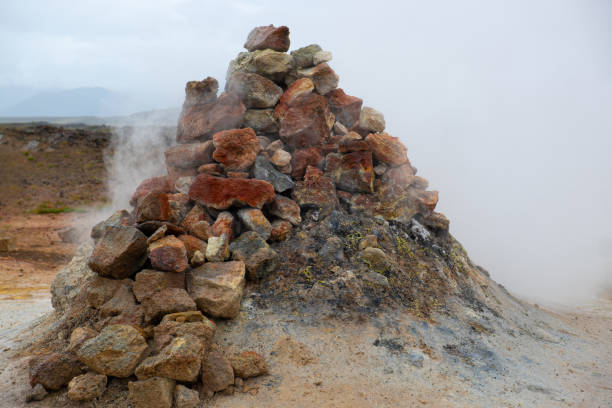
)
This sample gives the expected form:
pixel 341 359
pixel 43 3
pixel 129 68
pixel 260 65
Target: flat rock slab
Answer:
pixel 221 193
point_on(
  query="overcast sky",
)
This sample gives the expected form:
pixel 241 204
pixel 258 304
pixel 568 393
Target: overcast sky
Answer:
pixel 505 106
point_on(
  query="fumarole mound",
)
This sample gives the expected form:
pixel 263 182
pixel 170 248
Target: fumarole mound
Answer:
pixel 282 189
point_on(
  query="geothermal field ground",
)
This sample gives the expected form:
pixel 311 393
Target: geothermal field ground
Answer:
pixel 287 253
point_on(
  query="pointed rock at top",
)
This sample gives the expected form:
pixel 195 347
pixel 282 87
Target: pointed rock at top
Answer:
pixel 268 37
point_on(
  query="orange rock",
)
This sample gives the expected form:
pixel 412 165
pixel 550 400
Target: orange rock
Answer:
pixel 387 149
pixel 302 86
pixel 162 184
pixel 306 121
pixel 225 224
pixel 346 108
pixel 303 158
pixel 236 149
pixel 221 193
pixel 168 254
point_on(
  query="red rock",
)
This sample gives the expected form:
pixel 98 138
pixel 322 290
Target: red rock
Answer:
pixel 192 244
pixel 346 108
pixel 351 172
pixel 222 193
pixel 281 230
pixel 302 86
pixel 316 191
pixel 119 253
pixel 248 364
pixel 168 254
pixel 191 155
pixel 286 209
pixel 323 77
pixel 162 184
pixel 225 224
pixel 254 90
pixel 165 301
pixel 153 206
pixel 268 37
pixel 303 158
pixel 352 142
pixel 200 122
pixel 387 149
pixel 217 372
pixel 53 370
pixel 254 220
pixel 236 149
pixel 148 282
pixel 197 222
pixel 213 169
pixel 306 121
pixel 201 92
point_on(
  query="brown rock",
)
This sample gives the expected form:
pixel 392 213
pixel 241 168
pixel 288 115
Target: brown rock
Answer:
pixel 180 360
pixel 260 260
pixel 185 397
pixel 372 120
pixel 352 142
pixel 316 191
pixel 217 371
pixel 346 108
pixel 248 364
pixel 281 230
pixel 217 287
pixel 351 172
pixel 254 220
pixel 236 149
pixel 197 222
pixel 274 38
pixel 122 300
pixel 261 121
pixel 149 227
pixel 99 290
pixel 323 77
pixel 304 56
pixel 302 86
pixel 306 121
pixel 183 324
pixel 119 218
pixel 237 174
pixel 213 169
pixel 153 206
pixel 158 234
pixel 286 209
pixel 148 282
pixel 86 387
pixel 200 122
pixel 254 90
pixel 201 92
pixel 53 370
pixel 192 244
pixel 387 149
pixel 115 351
pixel 119 253
pixel 163 184
pixel 79 336
pixel 165 301
pixel 225 224
pixel 168 254
pixel 428 201
pixel 303 158
pixel 436 221
pixel 188 156
pixel 221 193
pixel 154 392
pixel 339 128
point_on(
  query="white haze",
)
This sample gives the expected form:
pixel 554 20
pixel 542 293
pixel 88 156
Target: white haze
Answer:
pixel 505 106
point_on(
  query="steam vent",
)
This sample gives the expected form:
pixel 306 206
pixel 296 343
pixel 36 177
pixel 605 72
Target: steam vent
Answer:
pixel 283 194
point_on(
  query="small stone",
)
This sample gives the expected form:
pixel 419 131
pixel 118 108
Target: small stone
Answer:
pixel 148 282
pixel 86 387
pixel 260 260
pixel 192 244
pixel 280 158
pixel 372 120
pixel 323 77
pixel 197 259
pixel 248 364
pixel 185 397
pixel 154 392
pixel 217 287
pixel 387 149
pixel 236 149
pixel 346 108
pixel 306 121
pixel 380 169
pixel 300 87
pixel 369 241
pixel 213 169
pixel 263 170
pixel 261 121
pixel 281 230
pixel 123 299
pixel 254 90
pixel 375 258
pixel 115 351
pixel 200 122
pixel 119 253
pixel 196 222
pixel 162 184
pixel 303 158
pixel 254 220
pixel 38 393
pixel 304 56
pixel 217 249
pixel 190 155
pixel 264 37
pixel 158 234
pixel 224 224
pixel 437 221
pixel 286 209
pixel 79 336
pixel 221 193
pixel 321 56
pixel 217 372
pixel 53 370
pixel 180 360
pixel 168 254
pixel 183 324
pixel 316 191
pixel 165 301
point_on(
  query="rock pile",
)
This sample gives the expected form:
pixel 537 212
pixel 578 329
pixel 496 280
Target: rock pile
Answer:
pixel 282 139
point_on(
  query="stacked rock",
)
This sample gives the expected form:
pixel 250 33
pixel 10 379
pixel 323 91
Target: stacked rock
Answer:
pixel 281 139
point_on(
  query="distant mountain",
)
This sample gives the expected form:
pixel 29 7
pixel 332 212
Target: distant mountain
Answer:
pixel 93 101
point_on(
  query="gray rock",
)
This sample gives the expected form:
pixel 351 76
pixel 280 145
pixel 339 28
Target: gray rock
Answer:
pixel 119 253
pixel 254 220
pixel 261 121
pixel 69 281
pixel 270 64
pixel 113 220
pixel 264 170
pixel 321 56
pixel 303 57
pixel 31 146
pixel 260 260
pixel 254 90
pixel 185 397
pixel 38 393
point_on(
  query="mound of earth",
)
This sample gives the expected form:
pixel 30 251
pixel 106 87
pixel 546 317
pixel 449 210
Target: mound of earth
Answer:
pixel 291 256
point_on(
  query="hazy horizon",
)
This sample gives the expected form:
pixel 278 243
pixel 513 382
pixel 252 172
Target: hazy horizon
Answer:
pixel 505 107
